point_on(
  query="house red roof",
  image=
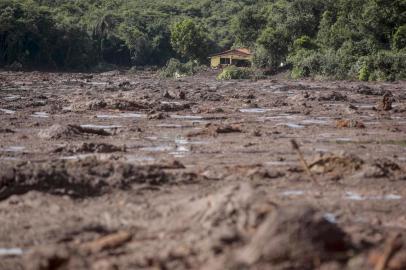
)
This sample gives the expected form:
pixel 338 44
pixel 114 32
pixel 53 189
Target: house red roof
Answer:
pixel 241 51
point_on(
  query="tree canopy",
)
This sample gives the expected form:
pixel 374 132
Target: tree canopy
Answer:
pixel 329 38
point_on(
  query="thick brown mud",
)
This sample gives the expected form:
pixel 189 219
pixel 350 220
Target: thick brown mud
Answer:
pixel 130 171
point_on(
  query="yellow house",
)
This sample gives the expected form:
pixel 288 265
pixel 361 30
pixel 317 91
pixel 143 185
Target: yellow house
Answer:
pixel 237 57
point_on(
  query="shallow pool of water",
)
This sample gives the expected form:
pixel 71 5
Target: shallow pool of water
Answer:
pixel 100 126
pixel 254 110
pixel 40 115
pixel 121 115
pixel 7 111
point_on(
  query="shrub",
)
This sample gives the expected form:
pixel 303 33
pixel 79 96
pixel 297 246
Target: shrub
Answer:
pixel 175 69
pixel 235 73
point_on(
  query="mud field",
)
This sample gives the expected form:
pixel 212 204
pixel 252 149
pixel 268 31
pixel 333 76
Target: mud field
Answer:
pixel 129 171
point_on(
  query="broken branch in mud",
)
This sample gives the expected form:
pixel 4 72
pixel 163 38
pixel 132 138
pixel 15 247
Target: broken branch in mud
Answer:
pixel 305 166
pixel 107 242
pixel 393 244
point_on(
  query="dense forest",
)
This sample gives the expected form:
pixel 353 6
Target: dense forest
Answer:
pixel 364 39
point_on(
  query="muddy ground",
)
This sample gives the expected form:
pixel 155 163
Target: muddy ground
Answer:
pixel 129 171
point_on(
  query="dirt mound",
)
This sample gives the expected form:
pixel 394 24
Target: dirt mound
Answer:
pixel 333 96
pixel 216 129
pixel 368 91
pixel 298 237
pixel 91 148
pixel 68 131
pixel 349 123
pixel 331 163
pixel 55 258
pixel 171 107
pixel 382 167
pixel 77 178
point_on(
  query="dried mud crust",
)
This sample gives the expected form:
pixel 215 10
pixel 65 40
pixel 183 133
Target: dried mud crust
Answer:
pixel 130 171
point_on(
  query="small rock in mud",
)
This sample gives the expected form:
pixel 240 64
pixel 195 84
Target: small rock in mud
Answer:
pixel 336 163
pixel 297 236
pixel 65 132
pixel 349 123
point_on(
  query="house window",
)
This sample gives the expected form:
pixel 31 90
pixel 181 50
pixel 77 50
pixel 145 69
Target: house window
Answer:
pixel 224 61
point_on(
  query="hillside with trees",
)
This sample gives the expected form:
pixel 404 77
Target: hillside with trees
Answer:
pixel 339 39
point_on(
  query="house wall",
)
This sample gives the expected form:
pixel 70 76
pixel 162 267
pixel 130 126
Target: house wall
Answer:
pixel 215 60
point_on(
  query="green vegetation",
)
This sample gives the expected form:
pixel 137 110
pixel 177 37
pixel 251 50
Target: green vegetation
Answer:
pixel 340 39
pixel 240 73
pixel 234 73
pixel 175 69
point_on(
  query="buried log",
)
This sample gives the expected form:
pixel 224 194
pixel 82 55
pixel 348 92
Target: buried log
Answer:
pixel 107 242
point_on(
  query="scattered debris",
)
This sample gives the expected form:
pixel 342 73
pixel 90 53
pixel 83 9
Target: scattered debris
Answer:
pixel 383 260
pixel 107 242
pixel 386 103
pixel 68 131
pixel 336 163
pixel 345 123
pixel 305 166
pixel 91 148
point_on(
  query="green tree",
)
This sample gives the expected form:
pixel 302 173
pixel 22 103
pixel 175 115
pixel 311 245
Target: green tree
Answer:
pixel 189 39
pixel 247 25
pixel 399 38
pixel 275 42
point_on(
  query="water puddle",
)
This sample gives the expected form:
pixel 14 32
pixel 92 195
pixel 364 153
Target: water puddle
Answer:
pixel 183 141
pixel 98 83
pixel 101 126
pixel 7 111
pixel 291 125
pixel 132 158
pixel 77 157
pixel 14 149
pixel 40 115
pixel 254 110
pixel 171 102
pixel 180 152
pixel 315 122
pixel 121 115
pixel 186 117
pixel 12 98
pixel 353 196
pixel 278 163
pixel 343 139
pixel 11 251
pixel 289 193
pixel 159 148
pixel 282 116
